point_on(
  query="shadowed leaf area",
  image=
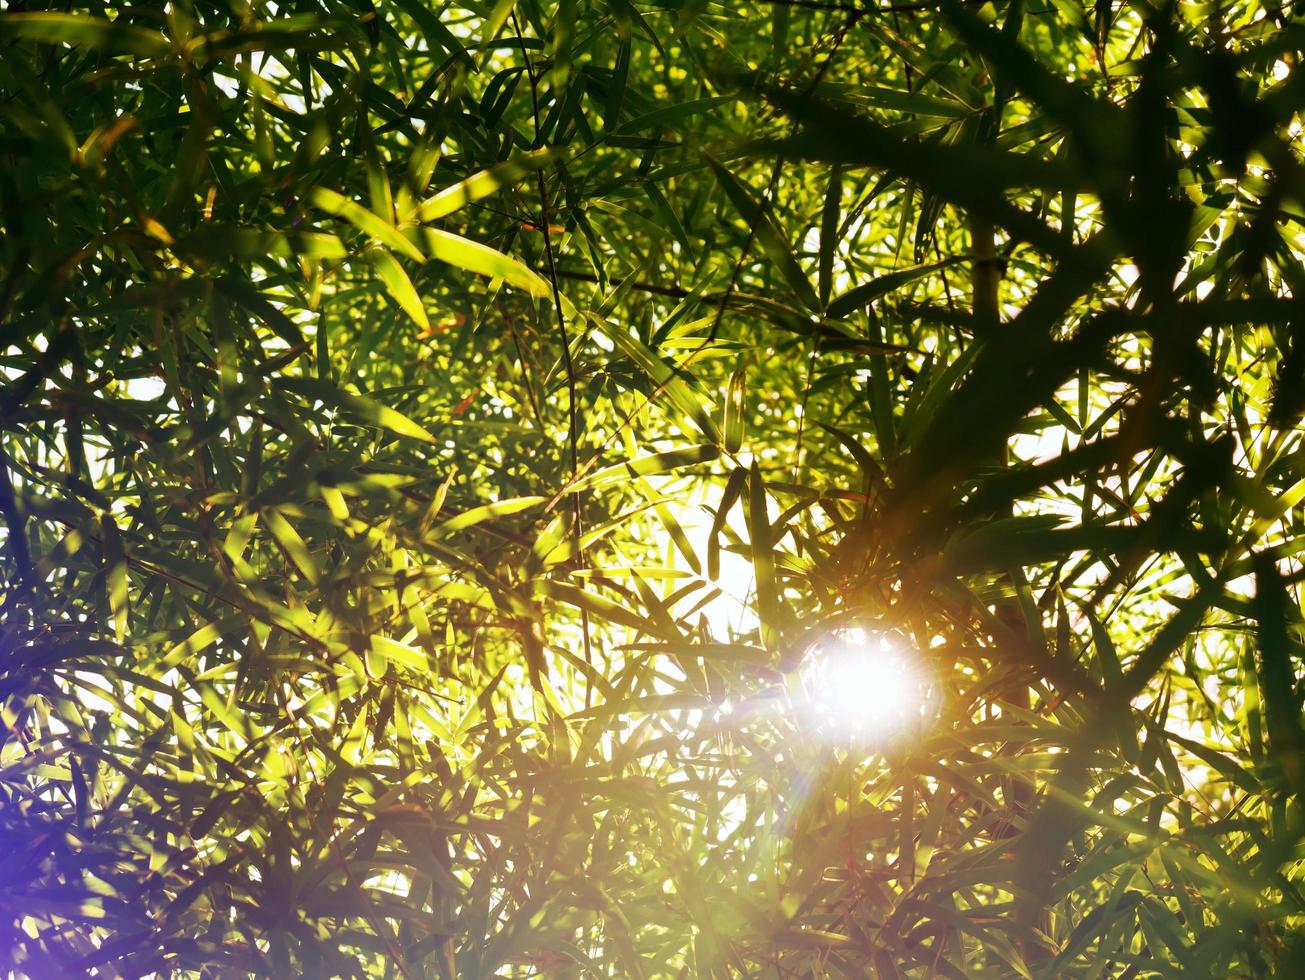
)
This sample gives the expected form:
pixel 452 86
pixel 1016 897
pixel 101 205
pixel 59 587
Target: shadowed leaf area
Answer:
pixel 674 489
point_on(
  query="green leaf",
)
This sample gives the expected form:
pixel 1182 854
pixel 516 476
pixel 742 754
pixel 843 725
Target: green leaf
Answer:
pixel 399 286
pixel 1278 684
pixel 476 515
pixel 761 553
pixel 498 16
pixel 360 405
pixel 735 411
pixel 864 461
pixel 672 116
pixel 333 202
pixel 483 260
pixel 293 545
pixel 733 490
pixel 668 379
pixel 484 183
pixel 87 32
pixel 399 653
pixel 777 249
pixel 117 585
pixel 672 459
pixel 596 605
pixel 859 297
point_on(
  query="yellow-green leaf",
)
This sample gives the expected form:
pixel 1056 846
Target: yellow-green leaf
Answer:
pixel 293 545
pixel 483 184
pixel 647 465
pixel 500 508
pixel 116 582
pixel 201 639
pixel 483 260
pixel 366 408
pixel 398 653
pixel 734 412
pixel 399 286
pixel 85 32
pixel 369 224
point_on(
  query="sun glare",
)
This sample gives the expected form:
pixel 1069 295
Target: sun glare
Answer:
pixel 865 688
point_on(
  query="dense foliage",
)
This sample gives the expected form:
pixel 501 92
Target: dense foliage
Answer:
pixel 438 440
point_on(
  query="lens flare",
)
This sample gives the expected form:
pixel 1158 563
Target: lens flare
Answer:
pixel 864 688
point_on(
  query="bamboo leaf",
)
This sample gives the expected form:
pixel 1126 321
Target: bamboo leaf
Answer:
pixel 483 260
pixel 398 653
pixel 667 379
pixel 735 408
pixel 360 405
pixel 89 32
pixel 484 183
pixel 776 247
pixel 377 228
pixel 664 462
pixel 293 545
pixel 763 558
pixel 733 490
pixel 400 287
pixel 476 515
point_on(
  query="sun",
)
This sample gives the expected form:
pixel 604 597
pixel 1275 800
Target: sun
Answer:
pixel 864 687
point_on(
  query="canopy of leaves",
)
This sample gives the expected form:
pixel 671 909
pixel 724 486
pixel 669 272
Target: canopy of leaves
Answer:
pixel 435 439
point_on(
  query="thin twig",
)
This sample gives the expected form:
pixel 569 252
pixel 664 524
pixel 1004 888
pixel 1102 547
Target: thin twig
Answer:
pixel 545 224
